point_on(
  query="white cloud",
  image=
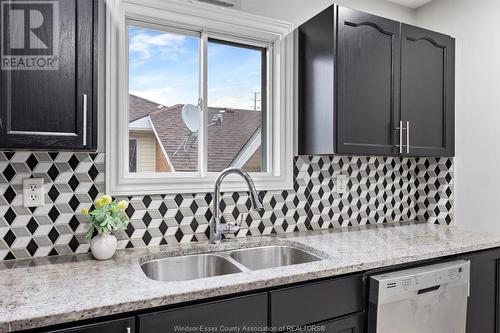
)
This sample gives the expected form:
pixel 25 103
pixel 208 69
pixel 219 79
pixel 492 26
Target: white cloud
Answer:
pixel 236 102
pixel 169 44
pixel 148 80
pixel 167 96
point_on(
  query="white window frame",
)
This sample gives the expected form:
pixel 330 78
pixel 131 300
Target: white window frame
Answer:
pixel 219 23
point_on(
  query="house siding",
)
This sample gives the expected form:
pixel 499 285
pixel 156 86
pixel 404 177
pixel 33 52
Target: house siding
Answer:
pixel 254 163
pixel 161 162
pixel 146 143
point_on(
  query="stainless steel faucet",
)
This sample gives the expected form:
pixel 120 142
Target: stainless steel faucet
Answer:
pixel 217 228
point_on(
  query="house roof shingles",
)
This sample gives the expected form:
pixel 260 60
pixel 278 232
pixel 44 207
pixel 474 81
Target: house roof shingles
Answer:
pixel 140 107
pixel 225 141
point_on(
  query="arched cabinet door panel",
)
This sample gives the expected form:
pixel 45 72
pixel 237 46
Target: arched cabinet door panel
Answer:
pixel 427 91
pixel 368 62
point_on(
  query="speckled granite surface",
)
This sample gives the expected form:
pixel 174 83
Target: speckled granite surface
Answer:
pixel 45 292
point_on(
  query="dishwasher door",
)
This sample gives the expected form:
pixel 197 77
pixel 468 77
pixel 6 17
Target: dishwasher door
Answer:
pixel 427 299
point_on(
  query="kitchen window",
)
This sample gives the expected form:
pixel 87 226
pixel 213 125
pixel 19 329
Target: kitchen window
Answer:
pixel 196 89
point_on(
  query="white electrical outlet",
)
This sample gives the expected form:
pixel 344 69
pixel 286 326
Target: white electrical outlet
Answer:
pixel 33 193
pixel 341 183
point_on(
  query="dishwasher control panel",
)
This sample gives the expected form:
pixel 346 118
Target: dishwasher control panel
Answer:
pixel 419 280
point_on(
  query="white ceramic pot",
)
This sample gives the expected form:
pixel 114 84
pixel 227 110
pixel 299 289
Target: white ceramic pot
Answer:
pixel 103 246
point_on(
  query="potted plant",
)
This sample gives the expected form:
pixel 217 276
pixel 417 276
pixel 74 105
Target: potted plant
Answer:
pixel 107 217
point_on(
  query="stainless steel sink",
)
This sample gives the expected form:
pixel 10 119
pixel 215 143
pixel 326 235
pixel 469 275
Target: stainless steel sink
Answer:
pixel 189 267
pixel 272 256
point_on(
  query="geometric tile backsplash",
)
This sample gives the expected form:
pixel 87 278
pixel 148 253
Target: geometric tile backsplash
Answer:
pixel 380 190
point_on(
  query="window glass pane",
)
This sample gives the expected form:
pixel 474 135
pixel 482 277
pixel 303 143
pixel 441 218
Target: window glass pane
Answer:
pixel 237 102
pixel 132 155
pixel 163 96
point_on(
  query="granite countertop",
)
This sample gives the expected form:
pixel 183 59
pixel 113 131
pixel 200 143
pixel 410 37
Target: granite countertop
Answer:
pixel 48 291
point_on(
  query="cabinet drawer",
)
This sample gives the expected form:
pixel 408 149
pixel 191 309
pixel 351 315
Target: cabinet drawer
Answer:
pixel 316 302
pixel 126 325
pixel 235 312
pixel 350 324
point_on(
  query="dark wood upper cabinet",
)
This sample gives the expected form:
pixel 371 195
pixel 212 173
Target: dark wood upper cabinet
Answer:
pixel 427 91
pixel 368 55
pixel 360 75
pixel 52 109
pixel 316 116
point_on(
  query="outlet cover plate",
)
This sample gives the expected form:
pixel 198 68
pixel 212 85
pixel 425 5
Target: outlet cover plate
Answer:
pixel 341 183
pixel 33 193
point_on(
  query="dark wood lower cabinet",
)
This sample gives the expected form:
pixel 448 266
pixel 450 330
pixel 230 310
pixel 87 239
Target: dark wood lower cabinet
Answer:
pixel 250 311
pixel 483 307
pixel 126 325
pixel 316 302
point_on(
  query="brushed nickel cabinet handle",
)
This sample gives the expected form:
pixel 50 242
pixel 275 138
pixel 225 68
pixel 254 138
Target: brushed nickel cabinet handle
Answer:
pixel 400 136
pixel 407 137
pixel 400 128
pixel 84 119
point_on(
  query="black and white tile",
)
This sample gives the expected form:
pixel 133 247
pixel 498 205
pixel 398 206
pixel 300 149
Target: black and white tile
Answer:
pixel 380 190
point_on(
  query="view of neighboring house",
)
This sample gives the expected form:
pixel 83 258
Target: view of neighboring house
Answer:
pixel 156 133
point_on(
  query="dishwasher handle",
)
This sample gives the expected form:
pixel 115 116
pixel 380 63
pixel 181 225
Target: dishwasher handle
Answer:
pixel 428 289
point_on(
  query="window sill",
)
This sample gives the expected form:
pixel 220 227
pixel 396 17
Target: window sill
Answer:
pixel 158 184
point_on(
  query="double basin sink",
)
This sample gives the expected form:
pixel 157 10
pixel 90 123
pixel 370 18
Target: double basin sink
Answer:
pixel 197 266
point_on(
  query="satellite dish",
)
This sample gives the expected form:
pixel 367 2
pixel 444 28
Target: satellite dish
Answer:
pixel 191 117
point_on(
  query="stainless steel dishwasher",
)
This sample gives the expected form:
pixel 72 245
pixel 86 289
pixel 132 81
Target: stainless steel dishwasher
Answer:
pixel 426 299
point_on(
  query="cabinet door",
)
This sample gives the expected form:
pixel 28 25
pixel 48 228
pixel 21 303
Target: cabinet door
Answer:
pixel 113 326
pixel 482 307
pixel 368 66
pixel 427 91
pixel 250 311
pixel 46 81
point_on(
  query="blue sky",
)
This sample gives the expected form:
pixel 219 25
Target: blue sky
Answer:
pixel 164 68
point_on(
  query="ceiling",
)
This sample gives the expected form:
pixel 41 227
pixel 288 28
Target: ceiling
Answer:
pixel 411 3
